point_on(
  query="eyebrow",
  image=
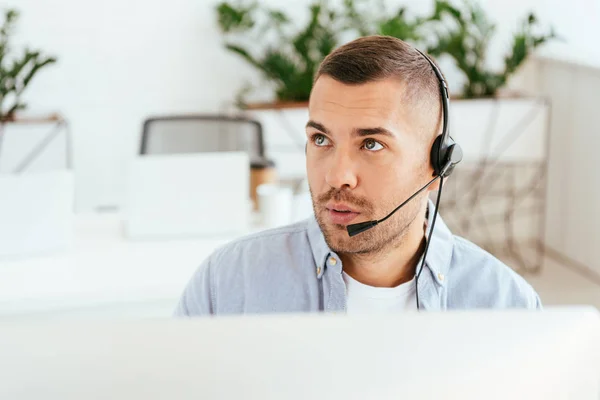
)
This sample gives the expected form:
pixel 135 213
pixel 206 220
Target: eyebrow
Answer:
pixel 372 131
pixel 360 132
pixel 317 126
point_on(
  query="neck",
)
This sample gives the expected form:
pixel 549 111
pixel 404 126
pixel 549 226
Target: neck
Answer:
pixel 391 266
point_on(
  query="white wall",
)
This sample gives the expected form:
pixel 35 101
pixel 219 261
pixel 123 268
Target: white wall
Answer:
pixel 120 61
pixel 573 186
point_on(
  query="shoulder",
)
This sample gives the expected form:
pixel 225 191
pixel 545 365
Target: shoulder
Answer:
pixel 479 279
pixel 264 244
pixel 248 265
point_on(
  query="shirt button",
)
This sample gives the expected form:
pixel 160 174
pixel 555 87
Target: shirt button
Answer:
pixel 332 261
pixel 441 276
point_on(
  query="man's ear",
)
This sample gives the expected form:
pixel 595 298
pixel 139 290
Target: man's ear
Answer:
pixel 434 186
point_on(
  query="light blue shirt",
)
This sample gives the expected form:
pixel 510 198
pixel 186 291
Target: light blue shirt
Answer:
pixel 291 269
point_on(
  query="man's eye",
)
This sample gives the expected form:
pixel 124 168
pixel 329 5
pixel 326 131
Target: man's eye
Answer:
pixel 320 140
pixel 372 145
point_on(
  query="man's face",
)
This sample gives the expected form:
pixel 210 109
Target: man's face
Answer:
pixel 365 156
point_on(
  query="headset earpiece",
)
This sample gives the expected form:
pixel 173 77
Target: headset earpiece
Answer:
pixel 437 162
pixel 444 159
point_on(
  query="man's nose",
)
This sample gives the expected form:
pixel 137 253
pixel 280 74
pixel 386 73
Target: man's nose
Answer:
pixel 341 173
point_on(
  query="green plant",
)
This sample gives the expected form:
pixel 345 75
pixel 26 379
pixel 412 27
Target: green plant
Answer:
pixel 287 57
pixel 464 34
pixel 368 17
pixel 17 73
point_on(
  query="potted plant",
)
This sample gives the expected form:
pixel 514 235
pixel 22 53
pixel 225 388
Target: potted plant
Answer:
pixel 464 34
pixel 289 55
pixel 16 73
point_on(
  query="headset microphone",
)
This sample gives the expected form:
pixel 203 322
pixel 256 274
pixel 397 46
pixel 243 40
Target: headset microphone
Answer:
pixel 360 227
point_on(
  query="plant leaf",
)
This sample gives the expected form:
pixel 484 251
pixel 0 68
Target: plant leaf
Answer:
pixel 243 53
pixel 235 19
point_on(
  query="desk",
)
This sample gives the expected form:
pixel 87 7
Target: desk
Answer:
pixel 104 273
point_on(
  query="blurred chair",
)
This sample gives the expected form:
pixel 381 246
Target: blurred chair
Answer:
pixel 202 133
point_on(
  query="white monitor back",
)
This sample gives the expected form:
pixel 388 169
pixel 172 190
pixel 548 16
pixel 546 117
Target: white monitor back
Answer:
pixel 200 194
pixel 36 212
pixel 454 355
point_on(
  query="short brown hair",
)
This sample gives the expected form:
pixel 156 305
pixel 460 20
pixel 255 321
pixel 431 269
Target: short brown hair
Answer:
pixel 373 58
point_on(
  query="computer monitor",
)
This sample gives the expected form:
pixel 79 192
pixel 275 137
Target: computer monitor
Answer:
pixel 554 354
pixel 188 195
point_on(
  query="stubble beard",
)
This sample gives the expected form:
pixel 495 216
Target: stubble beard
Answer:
pixel 389 234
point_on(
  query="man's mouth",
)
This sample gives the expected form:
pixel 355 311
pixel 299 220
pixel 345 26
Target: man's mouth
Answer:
pixel 341 214
pixel 341 207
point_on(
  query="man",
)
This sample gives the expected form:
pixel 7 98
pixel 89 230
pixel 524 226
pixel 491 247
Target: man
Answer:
pixel 374 113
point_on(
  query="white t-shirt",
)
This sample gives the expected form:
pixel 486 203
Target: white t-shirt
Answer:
pixel 364 299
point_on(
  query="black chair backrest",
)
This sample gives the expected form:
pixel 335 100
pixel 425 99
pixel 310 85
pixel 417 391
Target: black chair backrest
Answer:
pixel 202 133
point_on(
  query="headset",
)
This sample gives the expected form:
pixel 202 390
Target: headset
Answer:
pixel 445 152
pixel 445 155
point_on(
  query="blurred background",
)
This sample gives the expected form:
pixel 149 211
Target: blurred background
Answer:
pixel 136 137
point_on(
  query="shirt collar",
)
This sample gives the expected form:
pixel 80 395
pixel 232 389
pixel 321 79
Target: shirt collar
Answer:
pixel 438 256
